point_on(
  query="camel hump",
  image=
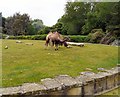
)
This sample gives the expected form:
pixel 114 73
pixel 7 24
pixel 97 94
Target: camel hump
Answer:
pixel 58 35
pixel 49 34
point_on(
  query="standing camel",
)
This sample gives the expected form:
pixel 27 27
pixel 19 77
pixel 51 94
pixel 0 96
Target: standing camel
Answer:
pixel 55 39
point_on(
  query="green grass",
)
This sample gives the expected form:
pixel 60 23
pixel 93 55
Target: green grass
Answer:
pixel 112 93
pixel 29 63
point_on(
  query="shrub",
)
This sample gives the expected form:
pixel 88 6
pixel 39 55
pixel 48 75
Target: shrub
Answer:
pixel 29 37
pixel 73 38
pixel 2 36
pixel 12 37
pixel 88 37
pixel 39 37
pixel 95 37
pixel 77 38
pixel 95 30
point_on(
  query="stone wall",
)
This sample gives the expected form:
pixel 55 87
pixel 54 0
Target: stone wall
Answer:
pixel 87 83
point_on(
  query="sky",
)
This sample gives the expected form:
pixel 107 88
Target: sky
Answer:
pixel 49 11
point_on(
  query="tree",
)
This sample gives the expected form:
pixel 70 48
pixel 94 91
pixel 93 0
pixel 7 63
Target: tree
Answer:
pixel 37 24
pixel 0 23
pixel 44 30
pixel 17 24
pixel 9 25
pixel 3 25
pixel 102 15
pixel 107 13
pixel 90 23
pixel 58 27
pixel 74 17
pixel 30 29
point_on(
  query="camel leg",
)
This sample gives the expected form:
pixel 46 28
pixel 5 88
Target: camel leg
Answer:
pixel 46 43
pixel 56 47
pixel 52 44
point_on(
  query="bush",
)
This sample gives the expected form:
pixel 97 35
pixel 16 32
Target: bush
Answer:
pixel 12 37
pixel 95 37
pixel 73 38
pixel 39 37
pixel 77 38
pixel 88 37
pixel 95 30
pixel 3 36
pixel 29 37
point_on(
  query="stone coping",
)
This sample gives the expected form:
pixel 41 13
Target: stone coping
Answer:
pixel 51 84
pixel 58 83
pixel 66 80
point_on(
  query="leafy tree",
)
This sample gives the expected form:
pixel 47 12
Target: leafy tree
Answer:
pixel 74 17
pixel 44 30
pixel 31 30
pixel 90 23
pixel 37 24
pixel 9 25
pixel 58 27
pixel 17 24
pixel 0 16
pixel 107 13
pixel 0 23
pixel 115 19
pixel 102 15
pixel 3 24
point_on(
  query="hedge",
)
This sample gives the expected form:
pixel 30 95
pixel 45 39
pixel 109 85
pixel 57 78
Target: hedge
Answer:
pixel 73 38
pixel 29 37
pixel 77 38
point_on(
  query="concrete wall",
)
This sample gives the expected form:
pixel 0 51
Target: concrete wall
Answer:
pixel 88 83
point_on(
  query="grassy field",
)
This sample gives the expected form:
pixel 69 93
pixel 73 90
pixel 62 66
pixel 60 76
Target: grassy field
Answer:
pixel 23 63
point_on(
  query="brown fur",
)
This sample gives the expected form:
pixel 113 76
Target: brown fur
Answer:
pixel 55 39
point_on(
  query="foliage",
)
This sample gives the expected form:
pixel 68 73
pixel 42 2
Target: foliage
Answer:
pixel 77 38
pixel 95 37
pixel 29 37
pixel 57 27
pixel 102 15
pixel 44 30
pixel 30 29
pixel 17 24
pixel 39 37
pixel 81 17
pixel 73 38
pixel 108 12
pixel 2 23
pixel 74 17
pixel 90 23
pixel 37 24
pixel 95 30
pixel 21 25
